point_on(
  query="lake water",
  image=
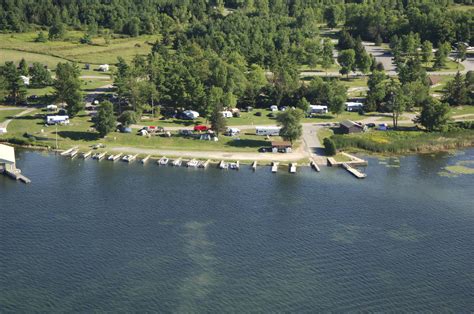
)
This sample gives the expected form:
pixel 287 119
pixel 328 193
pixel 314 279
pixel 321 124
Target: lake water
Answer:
pixel 88 236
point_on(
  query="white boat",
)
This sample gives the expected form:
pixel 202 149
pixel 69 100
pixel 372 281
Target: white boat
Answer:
pixel 99 156
pixel 177 162
pixel 163 161
pixel 192 163
pixel 116 157
pixel 129 158
pixel 234 165
pixel 111 157
pixel 223 165
pixel 87 155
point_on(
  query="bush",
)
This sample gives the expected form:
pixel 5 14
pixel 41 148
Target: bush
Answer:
pixel 329 147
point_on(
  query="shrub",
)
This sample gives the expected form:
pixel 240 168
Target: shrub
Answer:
pixel 329 147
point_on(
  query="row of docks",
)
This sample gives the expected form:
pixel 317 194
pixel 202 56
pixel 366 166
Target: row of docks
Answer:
pixel 194 163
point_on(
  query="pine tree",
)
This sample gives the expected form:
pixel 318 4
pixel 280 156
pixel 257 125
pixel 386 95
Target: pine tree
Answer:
pixel 456 91
pixel 105 120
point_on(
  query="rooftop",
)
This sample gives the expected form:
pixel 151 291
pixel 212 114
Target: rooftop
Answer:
pixel 7 154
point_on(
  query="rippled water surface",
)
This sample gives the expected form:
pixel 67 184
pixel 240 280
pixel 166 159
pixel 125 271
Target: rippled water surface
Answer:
pixel 88 236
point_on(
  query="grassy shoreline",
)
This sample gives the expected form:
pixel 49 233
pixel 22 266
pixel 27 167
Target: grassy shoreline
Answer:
pixel 404 142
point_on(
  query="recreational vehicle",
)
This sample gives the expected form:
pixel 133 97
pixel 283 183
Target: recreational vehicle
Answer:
pixel 267 130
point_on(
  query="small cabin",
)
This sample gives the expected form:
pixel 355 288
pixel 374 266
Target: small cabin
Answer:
pixel 348 127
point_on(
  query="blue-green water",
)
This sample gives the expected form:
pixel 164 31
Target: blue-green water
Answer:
pixel 88 236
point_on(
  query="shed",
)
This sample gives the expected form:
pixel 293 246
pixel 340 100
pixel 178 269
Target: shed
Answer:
pixel 434 80
pixel 281 146
pixel 7 157
pixel 349 126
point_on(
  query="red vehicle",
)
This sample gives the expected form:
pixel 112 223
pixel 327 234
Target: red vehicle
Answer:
pixel 201 128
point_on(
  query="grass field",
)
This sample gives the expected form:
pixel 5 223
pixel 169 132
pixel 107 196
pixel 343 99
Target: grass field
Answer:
pixel 462 110
pixel 5 114
pixel 79 133
pixel 70 49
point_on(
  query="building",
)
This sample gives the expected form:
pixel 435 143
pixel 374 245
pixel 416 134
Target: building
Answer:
pixel 283 146
pixel 7 158
pixel 348 126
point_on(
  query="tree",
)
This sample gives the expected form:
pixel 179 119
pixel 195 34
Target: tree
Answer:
pixel 332 15
pixel 86 39
pixel 456 91
pixel 412 71
pixel 303 104
pixel 14 85
pixel 67 87
pixel 41 38
pixel 40 76
pixel 426 51
pixel 329 147
pixel 105 120
pixel 57 31
pixel 441 56
pixel 256 82
pixel 434 115
pixel 127 118
pixel 377 91
pixel 397 101
pixel 327 58
pixel 290 122
pixel 23 67
pixel 337 97
pixel 218 122
pixel 461 51
pixel 347 61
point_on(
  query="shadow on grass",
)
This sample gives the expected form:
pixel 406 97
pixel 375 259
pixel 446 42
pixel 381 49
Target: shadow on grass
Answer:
pixel 79 135
pixel 247 143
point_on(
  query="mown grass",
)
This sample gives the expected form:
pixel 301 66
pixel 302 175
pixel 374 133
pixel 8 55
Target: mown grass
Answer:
pixel 80 133
pixel 72 50
pixel 250 119
pixel 6 114
pixel 404 141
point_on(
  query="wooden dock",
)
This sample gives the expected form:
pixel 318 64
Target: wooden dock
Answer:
pixel 100 156
pixel 355 172
pixel 145 160
pixel 254 166
pixel 16 175
pixel 292 167
pixel 177 162
pixel 314 165
pixel 69 151
pixel 87 155
pixel 223 165
pixel 205 164
pixel 275 167
pixel 73 153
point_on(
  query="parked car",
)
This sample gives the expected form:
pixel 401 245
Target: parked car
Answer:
pixel 186 132
pixel 201 128
pixel 258 114
pixel 371 125
pixel 265 150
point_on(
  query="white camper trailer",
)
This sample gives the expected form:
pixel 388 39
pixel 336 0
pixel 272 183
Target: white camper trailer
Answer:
pixel 318 109
pixel 267 130
pixel 52 120
pixel 354 106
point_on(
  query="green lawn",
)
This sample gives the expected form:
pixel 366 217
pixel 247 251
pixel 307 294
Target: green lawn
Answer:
pixel 249 118
pixel 70 49
pixel 79 133
pixel 450 66
pixel 6 114
pixel 462 110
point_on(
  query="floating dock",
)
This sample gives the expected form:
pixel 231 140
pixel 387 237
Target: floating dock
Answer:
pixel 293 167
pixel 275 167
pixel 355 172
pixel 223 165
pixel 99 156
pixel 73 153
pixel 144 160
